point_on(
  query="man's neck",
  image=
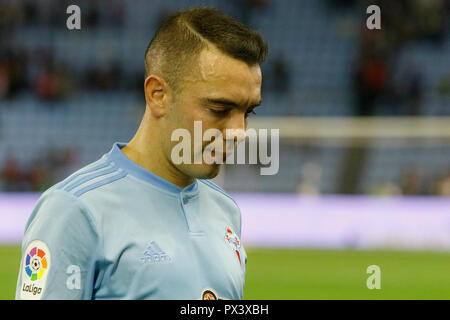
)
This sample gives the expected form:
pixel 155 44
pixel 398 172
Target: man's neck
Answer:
pixel 154 161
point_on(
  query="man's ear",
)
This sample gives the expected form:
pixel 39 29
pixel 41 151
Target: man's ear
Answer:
pixel 156 94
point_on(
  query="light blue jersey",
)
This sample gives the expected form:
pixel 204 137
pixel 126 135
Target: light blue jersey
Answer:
pixel 114 230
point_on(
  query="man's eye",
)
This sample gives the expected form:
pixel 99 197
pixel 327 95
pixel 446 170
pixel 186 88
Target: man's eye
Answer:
pixel 219 111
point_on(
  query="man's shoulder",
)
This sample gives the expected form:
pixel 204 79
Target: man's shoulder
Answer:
pixel 90 177
pixel 64 198
pixel 68 192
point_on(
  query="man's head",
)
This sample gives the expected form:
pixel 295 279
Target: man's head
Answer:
pixel 203 66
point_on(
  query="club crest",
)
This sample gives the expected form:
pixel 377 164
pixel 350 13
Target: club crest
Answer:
pixel 233 241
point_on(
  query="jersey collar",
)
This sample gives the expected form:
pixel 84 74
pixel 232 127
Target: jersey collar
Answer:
pixel 120 159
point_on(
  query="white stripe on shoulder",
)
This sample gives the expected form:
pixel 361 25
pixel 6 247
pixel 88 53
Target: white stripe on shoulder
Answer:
pixel 83 172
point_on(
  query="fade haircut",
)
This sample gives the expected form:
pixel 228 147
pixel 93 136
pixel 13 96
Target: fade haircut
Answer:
pixel 182 35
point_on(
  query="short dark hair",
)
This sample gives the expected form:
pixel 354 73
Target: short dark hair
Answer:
pixel 183 34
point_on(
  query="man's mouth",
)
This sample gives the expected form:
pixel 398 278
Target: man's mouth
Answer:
pixel 220 155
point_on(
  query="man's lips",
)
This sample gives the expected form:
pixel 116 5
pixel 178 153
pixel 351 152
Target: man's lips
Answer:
pixel 215 153
pixel 223 155
pixel 218 151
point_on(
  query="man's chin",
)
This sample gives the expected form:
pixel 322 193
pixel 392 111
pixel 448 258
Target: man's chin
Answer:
pixel 203 171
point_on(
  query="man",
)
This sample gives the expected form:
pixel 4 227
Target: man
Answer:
pixel 135 224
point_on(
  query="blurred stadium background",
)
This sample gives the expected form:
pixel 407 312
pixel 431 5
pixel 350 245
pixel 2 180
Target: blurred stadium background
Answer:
pixel 364 119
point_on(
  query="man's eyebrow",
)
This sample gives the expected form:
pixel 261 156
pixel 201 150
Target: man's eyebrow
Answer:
pixel 229 103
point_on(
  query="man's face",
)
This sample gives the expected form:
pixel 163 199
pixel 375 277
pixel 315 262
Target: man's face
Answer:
pixel 220 92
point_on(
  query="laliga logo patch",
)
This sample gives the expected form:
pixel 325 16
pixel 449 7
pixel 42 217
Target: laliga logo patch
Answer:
pixel 234 242
pixel 35 270
pixel 36 263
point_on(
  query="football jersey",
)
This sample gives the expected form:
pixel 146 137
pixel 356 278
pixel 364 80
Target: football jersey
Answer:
pixel 114 230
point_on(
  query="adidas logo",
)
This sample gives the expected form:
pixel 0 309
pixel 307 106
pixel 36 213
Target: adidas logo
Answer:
pixel 154 254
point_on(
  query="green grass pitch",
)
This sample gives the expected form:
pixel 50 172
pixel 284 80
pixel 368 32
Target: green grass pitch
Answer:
pixel 316 274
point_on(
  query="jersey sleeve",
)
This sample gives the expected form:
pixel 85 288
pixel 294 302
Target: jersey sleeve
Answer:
pixel 59 250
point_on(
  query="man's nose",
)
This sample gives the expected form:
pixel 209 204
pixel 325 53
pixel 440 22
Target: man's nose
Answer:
pixel 235 130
